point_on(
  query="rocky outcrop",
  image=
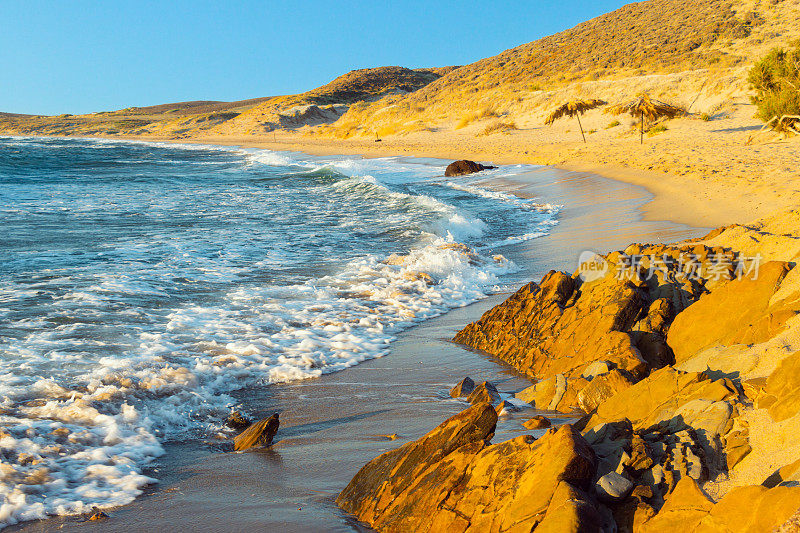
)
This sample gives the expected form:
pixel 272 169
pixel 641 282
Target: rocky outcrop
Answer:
pixel 564 324
pixel 555 328
pixel 781 395
pixel 688 370
pixel 464 167
pixel 752 508
pixel 453 480
pixel 259 434
pixel 463 388
pixel 749 316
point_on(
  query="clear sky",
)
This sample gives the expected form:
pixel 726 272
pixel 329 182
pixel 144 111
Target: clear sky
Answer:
pixel 77 56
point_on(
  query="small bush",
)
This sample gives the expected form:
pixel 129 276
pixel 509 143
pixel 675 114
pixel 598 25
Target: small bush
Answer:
pixel 705 117
pixel 613 124
pixel 655 130
pixel 776 80
pixel 499 126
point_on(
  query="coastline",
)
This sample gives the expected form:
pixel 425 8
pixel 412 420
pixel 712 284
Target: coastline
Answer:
pixel 700 201
pixel 695 196
pixel 342 415
pixel 279 313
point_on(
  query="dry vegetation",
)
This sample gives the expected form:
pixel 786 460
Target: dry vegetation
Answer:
pixel 692 53
pixel 689 52
pixel 498 126
pixel 252 116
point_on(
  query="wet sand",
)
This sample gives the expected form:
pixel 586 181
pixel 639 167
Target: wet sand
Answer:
pixel 331 426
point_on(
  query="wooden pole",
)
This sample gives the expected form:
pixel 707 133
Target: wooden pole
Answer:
pixel 641 128
pixel 581 127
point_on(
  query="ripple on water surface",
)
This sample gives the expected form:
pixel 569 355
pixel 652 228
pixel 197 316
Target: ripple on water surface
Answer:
pixel 142 283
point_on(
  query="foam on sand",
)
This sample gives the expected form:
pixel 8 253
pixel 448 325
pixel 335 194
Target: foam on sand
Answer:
pixel 256 268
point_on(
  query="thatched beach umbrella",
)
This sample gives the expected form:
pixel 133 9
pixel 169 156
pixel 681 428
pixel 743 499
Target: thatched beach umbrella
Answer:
pixel 645 107
pixel 574 108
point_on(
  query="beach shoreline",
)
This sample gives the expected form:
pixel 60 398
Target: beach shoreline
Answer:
pixel 704 202
pixel 403 393
pixel 672 199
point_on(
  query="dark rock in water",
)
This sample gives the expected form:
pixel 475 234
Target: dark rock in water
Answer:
pixel 537 422
pixel 464 388
pixel 464 167
pixel 259 434
pixel 96 514
pixel 506 407
pixel 485 392
pixel 237 421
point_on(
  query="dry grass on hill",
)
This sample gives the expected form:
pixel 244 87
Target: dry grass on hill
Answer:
pixel 642 46
pixel 691 53
pixel 352 88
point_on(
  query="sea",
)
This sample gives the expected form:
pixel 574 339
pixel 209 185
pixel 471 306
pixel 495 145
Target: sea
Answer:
pixel 142 284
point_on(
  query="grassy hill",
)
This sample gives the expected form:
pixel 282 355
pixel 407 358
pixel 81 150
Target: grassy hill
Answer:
pixel 669 47
pixel 365 85
pixel 694 53
pixel 257 115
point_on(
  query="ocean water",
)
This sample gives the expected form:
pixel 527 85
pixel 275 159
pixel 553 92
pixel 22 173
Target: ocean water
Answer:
pixel 142 283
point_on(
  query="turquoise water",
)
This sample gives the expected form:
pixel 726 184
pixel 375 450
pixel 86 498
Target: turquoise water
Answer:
pixel 141 283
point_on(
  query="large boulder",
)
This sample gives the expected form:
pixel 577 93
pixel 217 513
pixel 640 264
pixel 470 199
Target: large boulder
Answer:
pixel 565 324
pixel 671 399
pixel 451 480
pixel 738 312
pixel 782 390
pixel 464 167
pixel 747 509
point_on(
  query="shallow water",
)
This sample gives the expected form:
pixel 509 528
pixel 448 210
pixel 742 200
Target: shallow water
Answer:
pixel 143 284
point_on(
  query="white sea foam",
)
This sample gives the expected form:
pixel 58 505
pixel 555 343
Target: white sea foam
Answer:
pixel 145 341
pixel 517 201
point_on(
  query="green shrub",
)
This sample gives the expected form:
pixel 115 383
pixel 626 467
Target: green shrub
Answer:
pixel 776 80
pixel 613 124
pixel 655 130
pixel 705 117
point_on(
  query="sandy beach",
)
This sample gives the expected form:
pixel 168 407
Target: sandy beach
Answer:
pixel 159 295
pixel 699 173
pixel 332 425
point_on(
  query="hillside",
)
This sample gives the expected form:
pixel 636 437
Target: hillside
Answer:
pixel 326 104
pixel 679 50
pixel 184 119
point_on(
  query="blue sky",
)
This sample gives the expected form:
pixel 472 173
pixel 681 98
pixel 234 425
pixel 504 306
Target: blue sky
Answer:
pixel 77 56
